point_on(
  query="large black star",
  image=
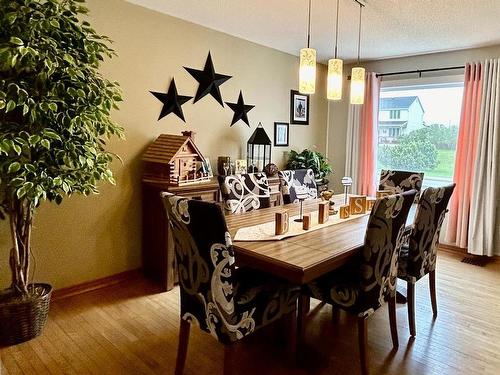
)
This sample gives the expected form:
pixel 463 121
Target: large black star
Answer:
pixel 172 102
pixel 209 81
pixel 240 110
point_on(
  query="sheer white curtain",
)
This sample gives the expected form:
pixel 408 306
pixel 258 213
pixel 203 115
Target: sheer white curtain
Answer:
pixel 352 145
pixel 486 186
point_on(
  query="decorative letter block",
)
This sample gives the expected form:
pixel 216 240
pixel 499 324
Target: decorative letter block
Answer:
pixel 344 211
pixel 369 203
pixel 323 212
pixel 383 193
pixel 357 204
pixel 306 221
pixel 282 220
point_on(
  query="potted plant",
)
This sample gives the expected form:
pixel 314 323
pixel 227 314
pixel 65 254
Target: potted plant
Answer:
pixel 310 159
pixel 54 124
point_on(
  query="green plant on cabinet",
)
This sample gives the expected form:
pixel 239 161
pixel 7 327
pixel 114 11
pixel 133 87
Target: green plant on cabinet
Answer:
pixel 309 159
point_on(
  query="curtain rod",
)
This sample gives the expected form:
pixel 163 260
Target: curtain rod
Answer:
pixel 420 71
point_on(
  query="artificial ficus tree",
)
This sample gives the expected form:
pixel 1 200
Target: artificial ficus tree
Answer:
pixel 54 114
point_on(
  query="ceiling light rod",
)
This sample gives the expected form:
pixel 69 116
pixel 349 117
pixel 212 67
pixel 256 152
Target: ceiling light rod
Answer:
pixel 420 71
pixel 337 30
pixel 361 6
pixel 309 26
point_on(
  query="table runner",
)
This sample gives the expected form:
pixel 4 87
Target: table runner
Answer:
pixel 266 231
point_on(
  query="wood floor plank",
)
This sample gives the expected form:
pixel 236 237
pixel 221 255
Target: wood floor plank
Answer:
pixel 132 328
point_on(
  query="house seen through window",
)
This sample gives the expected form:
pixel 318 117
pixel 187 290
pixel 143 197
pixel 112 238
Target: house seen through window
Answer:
pixel 418 129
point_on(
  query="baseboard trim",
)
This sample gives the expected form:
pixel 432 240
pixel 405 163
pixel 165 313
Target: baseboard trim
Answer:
pixel 453 249
pixel 90 286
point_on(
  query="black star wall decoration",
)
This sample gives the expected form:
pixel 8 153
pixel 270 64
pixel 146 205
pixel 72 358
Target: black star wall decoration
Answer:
pixel 209 81
pixel 240 110
pixel 172 102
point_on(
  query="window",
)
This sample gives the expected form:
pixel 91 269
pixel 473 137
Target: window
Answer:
pixel 425 140
pixel 395 114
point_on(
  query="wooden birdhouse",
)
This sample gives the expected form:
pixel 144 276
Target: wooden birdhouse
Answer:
pixel 176 159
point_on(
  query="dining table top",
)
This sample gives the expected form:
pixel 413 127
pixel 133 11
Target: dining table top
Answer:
pixel 305 257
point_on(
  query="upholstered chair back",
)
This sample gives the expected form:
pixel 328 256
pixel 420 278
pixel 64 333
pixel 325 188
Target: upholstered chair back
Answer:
pixel 245 192
pixel 297 183
pixel 401 181
pixel 383 241
pixel 424 237
pixel 205 263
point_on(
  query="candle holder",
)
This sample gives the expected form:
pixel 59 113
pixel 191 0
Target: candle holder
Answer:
pixel 300 219
pixel 347 182
pixel 302 195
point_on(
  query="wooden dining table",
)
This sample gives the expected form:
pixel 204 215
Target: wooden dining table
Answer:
pixel 302 258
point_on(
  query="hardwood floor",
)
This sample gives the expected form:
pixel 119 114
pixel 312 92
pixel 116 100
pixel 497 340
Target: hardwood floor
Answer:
pixel 133 329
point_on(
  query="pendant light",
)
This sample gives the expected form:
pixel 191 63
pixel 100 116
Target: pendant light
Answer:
pixel 335 67
pixel 358 73
pixel 307 69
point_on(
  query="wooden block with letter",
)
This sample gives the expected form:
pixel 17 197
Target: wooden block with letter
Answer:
pixel 323 212
pixel 357 204
pixel 344 211
pixel 383 193
pixel 369 203
pixel 306 221
pixel 282 218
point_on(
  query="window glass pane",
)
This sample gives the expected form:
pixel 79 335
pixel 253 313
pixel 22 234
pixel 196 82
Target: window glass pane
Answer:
pixel 418 129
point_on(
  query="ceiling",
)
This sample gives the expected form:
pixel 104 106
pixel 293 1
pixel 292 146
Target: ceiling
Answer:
pixel 390 28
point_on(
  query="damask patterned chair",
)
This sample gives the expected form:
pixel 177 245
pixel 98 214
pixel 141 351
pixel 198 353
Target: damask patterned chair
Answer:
pixel 362 286
pixel 227 302
pixel 245 192
pixel 292 180
pixel 418 257
pixel 401 181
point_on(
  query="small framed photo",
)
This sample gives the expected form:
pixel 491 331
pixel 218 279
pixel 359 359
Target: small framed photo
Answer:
pixel 281 136
pixel 299 108
pixel 241 166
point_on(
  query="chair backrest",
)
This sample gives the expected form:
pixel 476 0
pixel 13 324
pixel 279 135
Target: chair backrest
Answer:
pixel 383 240
pixel 205 263
pixel 294 181
pixel 424 236
pixel 245 192
pixel 400 181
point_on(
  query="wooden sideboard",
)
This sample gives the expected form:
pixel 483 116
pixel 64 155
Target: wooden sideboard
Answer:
pixel 157 245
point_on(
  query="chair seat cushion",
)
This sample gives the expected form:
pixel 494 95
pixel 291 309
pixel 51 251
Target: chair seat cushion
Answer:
pixel 340 288
pixel 269 297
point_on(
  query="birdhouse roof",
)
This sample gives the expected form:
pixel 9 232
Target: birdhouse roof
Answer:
pixel 166 147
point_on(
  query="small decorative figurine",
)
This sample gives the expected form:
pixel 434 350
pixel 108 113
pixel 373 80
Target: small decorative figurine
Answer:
pixel 344 211
pixel 357 204
pixel 306 221
pixel 346 181
pixel 327 195
pixel 323 212
pixel 282 218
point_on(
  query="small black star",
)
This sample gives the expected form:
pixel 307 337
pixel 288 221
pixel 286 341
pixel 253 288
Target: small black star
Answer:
pixel 209 81
pixel 172 102
pixel 240 110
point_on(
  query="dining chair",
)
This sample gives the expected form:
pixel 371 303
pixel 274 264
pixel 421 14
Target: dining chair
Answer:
pixel 363 285
pixel 245 192
pixel 418 257
pixel 401 181
pixel 229 303
pixel 293 180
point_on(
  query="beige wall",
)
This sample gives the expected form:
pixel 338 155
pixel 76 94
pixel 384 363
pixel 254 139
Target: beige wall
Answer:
pixel 338 111
pixel 89 238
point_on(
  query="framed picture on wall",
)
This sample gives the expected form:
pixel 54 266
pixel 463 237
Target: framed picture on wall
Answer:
pixel 281 136
pixel 299 108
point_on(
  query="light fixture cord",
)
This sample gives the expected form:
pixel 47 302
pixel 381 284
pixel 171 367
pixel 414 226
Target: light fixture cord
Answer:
pixel 309 26
pixel 359 31
pixel 337 30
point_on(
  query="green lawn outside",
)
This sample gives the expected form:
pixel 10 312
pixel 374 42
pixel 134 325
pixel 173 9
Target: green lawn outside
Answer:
pixel 444 169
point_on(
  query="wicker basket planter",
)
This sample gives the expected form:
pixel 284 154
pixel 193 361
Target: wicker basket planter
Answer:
pixel 23 318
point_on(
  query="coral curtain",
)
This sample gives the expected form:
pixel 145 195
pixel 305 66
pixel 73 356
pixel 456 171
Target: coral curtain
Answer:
pixel 458 220
pixel 485 184
pixel 361 147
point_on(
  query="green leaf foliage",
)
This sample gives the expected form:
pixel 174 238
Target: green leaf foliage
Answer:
pixel 54 103
pixel 309 159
